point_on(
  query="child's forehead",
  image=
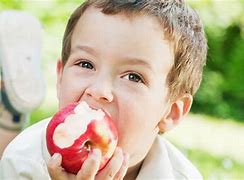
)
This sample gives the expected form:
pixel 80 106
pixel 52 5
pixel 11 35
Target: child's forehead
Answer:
pixel 129 28
pixel 132 17
pixel 120 40
pixel 136 23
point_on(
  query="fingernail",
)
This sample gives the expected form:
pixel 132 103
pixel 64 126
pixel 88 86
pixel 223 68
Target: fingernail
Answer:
pixel 96 152
pixel 126 158
pixel 119 149
pixel 56 156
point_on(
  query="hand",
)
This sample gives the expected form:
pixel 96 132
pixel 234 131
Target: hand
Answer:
pixel 115 169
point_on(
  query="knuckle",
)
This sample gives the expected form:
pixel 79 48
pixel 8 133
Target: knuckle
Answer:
pixel 111 174
pixel 51 166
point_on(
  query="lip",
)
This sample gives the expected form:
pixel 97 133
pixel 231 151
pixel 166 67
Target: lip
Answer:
pixel 97 108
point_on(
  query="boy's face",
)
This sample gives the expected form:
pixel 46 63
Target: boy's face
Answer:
pixel 120 65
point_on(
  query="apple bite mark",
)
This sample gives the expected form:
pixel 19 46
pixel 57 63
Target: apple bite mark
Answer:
pixel 107 145
pixel 75 125
pixel 76 130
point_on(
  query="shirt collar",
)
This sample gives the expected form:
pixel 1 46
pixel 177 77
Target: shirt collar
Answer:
pixel 157 164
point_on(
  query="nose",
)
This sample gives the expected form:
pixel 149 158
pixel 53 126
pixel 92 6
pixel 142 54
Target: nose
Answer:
pixel 100 90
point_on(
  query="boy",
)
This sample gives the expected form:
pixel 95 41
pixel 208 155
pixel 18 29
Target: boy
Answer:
pixel 139 60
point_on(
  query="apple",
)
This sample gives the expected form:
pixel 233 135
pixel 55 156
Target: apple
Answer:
pixel 76 130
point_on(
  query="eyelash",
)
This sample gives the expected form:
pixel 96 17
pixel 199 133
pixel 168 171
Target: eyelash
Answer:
pixel 139 78
pixel 89 65
pixel 85 64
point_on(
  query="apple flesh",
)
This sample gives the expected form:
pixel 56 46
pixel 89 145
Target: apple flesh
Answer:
pixel 76 130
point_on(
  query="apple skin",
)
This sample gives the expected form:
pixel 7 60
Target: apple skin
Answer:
pixel 100 134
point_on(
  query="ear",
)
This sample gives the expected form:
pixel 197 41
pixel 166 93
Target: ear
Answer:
pixel 176 111
pixel 59 71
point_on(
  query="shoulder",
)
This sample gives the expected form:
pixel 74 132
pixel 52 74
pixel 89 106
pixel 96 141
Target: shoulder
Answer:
pixel 23 157
pixel 28 141
pixel 165 161
pixel 182 167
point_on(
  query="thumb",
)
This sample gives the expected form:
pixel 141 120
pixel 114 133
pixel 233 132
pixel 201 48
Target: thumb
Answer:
pixel 55 169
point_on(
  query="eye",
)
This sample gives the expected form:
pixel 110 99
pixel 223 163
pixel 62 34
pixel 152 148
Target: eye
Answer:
pixel 85 64
pixel 134 77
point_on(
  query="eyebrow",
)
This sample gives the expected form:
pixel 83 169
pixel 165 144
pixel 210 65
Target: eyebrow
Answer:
pixel 136 61
pixel 84 48
pixel 127 59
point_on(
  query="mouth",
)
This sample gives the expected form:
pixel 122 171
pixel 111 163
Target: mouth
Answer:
pixel 96 107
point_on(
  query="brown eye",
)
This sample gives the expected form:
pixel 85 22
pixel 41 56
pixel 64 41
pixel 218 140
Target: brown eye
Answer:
pixel 134 77
pixel 85 64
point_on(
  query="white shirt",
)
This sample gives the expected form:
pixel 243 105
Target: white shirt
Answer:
pixel 26 158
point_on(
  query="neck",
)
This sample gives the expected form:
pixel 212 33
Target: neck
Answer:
pixel 133 172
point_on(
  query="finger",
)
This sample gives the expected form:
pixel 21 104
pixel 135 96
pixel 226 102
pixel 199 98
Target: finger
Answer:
pixel 123 169
pixel 91 165
pixel 113 166
pixel 55 169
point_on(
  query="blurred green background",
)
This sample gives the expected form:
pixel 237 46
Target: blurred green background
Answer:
pixel 212 136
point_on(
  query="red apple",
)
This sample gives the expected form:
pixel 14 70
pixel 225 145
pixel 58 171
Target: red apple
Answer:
pixel 77 129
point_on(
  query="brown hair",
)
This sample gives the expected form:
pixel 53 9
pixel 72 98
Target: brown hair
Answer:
pixel 181 26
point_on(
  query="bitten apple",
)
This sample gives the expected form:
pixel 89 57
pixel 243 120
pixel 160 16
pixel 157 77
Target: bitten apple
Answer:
pixel 77 129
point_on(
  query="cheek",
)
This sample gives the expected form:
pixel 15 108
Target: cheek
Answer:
pixel 140 109
pixel 136 128
pixel 70 90
pixel 136 119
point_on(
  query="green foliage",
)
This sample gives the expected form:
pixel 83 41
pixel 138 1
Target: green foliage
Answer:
pixel 40 114
pixel 212 167
pixel 11 4
pixel 222 90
